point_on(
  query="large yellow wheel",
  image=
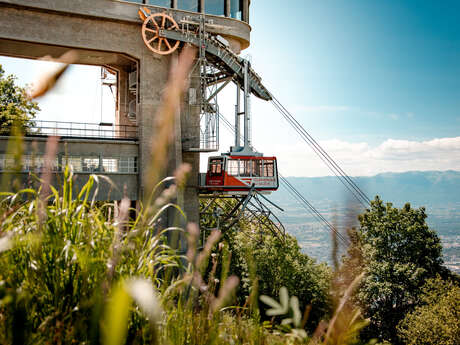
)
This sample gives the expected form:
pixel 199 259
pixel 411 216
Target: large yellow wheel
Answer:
pixel 151 33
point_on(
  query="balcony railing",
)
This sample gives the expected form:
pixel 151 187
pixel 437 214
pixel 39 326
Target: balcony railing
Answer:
pixel 83 130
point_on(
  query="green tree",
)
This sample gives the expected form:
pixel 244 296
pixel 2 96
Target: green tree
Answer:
pixel 271 262
pixel 400 252
pixel 436 320
pixel 15 106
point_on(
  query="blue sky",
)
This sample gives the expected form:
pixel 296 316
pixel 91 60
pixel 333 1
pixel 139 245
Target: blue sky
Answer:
pixel 376 82
pixel 392 62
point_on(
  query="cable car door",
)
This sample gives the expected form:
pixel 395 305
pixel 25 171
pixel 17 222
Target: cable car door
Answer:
pixel 215 173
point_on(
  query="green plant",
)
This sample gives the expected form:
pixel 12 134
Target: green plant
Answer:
pixel 399 252
pixel 273 262
pixel 436 319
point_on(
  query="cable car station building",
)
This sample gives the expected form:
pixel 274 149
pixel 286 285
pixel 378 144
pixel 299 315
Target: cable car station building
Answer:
pixel 108 33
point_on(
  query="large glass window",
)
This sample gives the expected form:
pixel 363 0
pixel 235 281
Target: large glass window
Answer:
pixel 136 1
pixel 188 5
pixel 269 168
pixel 236 9
pixel 162 3
pixel 216 7
pixel 232 167
pixel 257 167
pixel 79 164
pixel 245 167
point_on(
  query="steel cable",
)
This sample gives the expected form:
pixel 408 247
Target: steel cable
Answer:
pixel 297 195
pixel 322 154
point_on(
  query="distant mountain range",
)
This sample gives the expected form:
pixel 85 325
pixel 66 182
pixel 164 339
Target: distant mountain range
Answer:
pixel 437 191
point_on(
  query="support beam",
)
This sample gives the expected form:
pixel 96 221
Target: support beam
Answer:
pixel 227 8
pixel 219 89
pixel 237 117
pixel 246 104
pixel 246 11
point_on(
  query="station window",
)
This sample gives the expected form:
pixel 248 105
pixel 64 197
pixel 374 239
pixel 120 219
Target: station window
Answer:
pixel 188 5
pixel 269 168
pixel 232 167
pixel 236 9
pixel 88 164
pixel 162 3
pixel 127 164
pixel 215 7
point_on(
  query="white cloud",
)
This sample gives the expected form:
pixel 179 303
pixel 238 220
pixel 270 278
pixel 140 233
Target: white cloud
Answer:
pixel 361 159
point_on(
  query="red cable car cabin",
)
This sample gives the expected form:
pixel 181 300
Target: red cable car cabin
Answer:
pixel 240 173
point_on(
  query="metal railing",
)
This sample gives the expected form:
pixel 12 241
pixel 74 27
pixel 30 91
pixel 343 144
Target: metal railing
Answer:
pixel 83 130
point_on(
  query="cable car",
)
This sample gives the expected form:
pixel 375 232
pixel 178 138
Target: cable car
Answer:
pixel 232 173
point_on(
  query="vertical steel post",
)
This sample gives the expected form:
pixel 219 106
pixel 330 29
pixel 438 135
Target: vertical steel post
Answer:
pixel 246 104
pixel 237 116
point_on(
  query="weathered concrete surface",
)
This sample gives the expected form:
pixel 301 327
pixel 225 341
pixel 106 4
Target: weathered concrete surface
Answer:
pixel 127 12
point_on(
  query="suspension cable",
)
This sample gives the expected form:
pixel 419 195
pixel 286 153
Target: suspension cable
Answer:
pixel 298 196
pixel 322 154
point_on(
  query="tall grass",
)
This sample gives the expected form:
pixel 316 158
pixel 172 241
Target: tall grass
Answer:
pixel 76 271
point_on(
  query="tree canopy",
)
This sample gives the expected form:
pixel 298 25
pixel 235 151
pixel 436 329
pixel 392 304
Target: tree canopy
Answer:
pixel 276 262
pixel 15 106
pixel 436 320
pixel 400 253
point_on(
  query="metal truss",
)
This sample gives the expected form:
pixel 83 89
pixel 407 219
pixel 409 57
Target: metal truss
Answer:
pixel 224 212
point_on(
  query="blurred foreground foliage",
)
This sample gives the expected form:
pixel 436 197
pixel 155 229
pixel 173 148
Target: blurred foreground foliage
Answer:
pixel 76 271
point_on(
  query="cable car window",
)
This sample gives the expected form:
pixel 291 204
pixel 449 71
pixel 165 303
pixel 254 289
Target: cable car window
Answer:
pixel 232 167
pixel 269 167
pixel 257 167
pixel 215 167
pixel 245 167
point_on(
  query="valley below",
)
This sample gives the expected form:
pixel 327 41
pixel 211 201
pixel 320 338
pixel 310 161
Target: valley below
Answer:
pixel 437 191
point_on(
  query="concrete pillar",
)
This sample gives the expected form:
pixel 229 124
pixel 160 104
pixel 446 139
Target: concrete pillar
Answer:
pixel 246 11
pixel 190 134
pixel 227 8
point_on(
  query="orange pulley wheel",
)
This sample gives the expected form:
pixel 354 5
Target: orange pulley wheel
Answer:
pixel 151 33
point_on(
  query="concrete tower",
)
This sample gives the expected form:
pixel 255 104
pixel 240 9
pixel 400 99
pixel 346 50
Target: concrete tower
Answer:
pixel 108 33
